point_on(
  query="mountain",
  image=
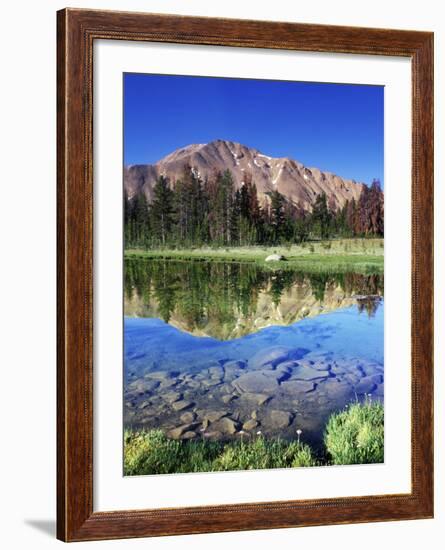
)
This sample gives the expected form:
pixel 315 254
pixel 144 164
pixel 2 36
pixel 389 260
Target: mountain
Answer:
pixel 299 184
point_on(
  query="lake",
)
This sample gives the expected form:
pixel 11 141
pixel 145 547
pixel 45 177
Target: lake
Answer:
pixel 223 350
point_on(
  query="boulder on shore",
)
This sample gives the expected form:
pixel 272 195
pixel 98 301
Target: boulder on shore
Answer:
pixel 275 258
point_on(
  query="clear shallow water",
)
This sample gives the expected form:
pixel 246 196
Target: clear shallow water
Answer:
pixel 154 344
pixel 275 379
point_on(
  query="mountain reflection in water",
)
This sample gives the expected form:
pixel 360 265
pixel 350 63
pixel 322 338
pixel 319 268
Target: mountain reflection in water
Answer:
pixel 228 300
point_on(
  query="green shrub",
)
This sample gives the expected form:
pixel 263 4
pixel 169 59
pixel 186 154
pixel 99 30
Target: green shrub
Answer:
pixel 151 452
pixel 263 453
pixel 356 435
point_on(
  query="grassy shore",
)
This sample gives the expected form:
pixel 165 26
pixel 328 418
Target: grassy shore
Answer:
pixel 353 436
pixel 358 255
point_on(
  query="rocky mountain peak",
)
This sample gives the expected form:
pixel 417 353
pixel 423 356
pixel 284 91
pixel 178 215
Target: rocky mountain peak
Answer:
pixel 298 183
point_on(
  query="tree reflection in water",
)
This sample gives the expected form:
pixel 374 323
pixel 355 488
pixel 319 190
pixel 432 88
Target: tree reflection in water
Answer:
pixel 203 293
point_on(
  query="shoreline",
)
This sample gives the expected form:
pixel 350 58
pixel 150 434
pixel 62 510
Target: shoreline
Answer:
pixel 357 255
pixel 152 452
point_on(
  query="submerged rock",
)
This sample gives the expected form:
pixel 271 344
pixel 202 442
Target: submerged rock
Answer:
pixel 235 365
pixel 308 373
pixel 181 405
pixel 250 424
pixel 176 433
pixel 275 356
pixel 276 420
pixel 378 391
pixel 233 370
pixel 159 375
pixel 351 378
pixel 366 385
pixel 216 371
pixel 296 387
pixel 168 383
pixel 257 382
pixel 254 398
pixel 336 390
pixel 171 396
pixel 187 417
pixel 372 369
pixel 142 386
pixel 211 382
pixel 228 398
pixel 212 416
pixel 226 426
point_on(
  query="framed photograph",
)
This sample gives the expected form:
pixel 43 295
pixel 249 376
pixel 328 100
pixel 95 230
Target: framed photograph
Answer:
pixel 245 263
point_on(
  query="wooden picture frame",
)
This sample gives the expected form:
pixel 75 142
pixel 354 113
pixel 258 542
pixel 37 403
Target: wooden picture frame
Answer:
pixel 77 31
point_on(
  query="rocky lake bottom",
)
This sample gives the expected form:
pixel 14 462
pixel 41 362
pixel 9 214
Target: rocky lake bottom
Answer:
pixel 272 382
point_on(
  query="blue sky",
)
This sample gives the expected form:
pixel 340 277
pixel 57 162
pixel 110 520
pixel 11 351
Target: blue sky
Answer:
pixel 334 127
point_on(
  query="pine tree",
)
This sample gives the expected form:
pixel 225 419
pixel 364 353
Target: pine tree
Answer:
pixel 221 211
pixel 376 208
pixel 341 223
pixel 255 214
pixel 236 222
pixel 162 210
pixel 321 216
pixel 351 217
pixel 140 220
pixel 190 207
pixel 301 229
pixel 363 221
pixel 277 218
pixel 127 215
